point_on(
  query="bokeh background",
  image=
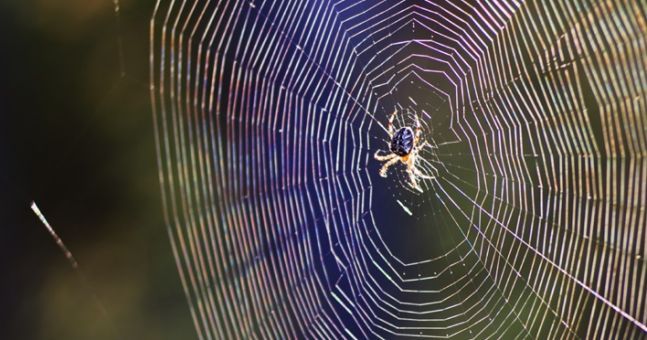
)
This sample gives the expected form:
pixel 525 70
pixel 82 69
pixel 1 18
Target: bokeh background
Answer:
pixel 76 137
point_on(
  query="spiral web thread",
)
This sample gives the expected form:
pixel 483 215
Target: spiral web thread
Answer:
pixel 267 116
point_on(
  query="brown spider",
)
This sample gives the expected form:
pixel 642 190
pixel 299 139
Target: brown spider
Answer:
pixel 404 146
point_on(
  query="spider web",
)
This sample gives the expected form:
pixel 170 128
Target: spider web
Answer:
pixel 267 117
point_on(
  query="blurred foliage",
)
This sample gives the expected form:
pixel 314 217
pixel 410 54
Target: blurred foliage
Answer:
pixel 78 139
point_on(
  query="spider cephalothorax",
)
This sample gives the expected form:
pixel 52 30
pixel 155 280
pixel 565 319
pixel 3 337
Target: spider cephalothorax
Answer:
pixel 405 144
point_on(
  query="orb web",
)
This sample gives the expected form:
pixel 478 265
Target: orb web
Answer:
pixel 267 116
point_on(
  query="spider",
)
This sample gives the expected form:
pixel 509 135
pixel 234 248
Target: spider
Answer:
pixel 404 146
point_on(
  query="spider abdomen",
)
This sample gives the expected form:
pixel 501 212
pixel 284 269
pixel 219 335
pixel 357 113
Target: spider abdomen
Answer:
pixel 402 141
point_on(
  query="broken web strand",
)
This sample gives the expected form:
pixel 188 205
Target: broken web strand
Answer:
pixel 262 111
pixel 75 265
pixel 120 42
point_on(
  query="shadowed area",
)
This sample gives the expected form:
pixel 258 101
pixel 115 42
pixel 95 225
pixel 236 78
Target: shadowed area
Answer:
pixel 77 138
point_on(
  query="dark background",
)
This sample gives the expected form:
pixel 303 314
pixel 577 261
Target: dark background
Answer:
pixel 76 137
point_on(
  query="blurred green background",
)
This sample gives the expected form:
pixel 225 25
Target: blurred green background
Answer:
pixel 77 138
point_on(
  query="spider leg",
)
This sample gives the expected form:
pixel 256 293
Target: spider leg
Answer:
pixel 416 171
pixel 414 181
pixel 390 124
pixel 387 165
pixel 412 171
pixel 418 130
pixel 419 174
pixel 383 157
pixel 433 170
